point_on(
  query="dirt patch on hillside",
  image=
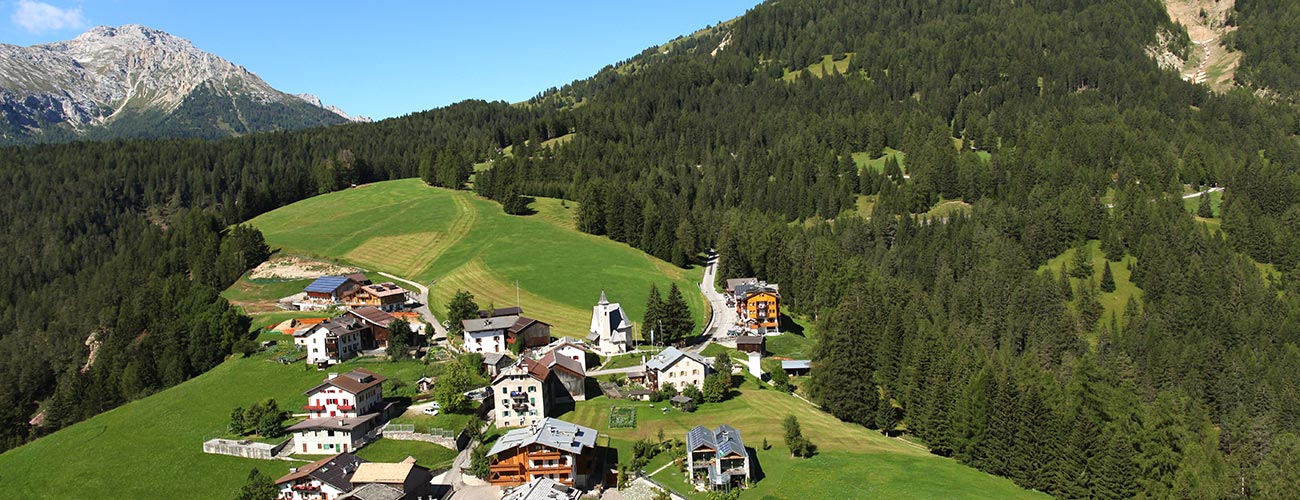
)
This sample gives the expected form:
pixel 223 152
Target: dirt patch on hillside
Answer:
pixel 293 267
pixel 1208 62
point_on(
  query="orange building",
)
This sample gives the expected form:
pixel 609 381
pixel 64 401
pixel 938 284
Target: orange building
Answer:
pixel 758 308
pixel 549 448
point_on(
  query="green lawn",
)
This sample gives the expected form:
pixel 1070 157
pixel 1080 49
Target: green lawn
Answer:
pixel 426 454
pixel 854 462
pixel 459 241
pixel 152 448
pixel 453 422
pixel 819 69
pixel 865 161
pixel 1113 302
pixel 1194 203
pixel 795 343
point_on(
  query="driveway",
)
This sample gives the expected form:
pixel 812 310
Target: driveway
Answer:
pixel 425 312
pixel 723 317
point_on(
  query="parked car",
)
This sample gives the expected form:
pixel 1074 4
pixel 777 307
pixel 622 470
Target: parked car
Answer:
pixel 435 405
pixel 431 411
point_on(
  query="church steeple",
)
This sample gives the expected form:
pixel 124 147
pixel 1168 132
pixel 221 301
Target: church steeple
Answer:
pixel 603 301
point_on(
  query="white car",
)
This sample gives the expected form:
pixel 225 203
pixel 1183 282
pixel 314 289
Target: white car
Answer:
pixel 435 405
pixel 431 411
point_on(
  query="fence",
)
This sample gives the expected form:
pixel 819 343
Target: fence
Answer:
pixel 440 437
pixel 246 449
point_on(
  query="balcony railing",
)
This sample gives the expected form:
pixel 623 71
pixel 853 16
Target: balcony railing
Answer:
pixel 518 395
pixel 347 407
pixel 314 407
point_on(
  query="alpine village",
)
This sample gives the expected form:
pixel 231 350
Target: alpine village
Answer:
pixel 798 249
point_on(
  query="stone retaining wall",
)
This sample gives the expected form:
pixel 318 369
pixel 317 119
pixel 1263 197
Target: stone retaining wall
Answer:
pixel 245 449
pixel 418 436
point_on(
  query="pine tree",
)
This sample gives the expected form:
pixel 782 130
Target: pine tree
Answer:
pixel 1205 209
pixel 1081 261
pixel 1063 283
pixel 677 320
pixel 1107 279
pixel 654 316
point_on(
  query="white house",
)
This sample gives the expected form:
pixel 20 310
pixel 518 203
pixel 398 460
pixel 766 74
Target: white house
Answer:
pixel 336 340
pixel 351 394
pixel 485 335
pixel 342 410
pixel 520 394
pixel 568 348
pixel 676 368
pixel 611 330
pixel 327 478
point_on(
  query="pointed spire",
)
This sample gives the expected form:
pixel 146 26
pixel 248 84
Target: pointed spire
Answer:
pixel 603 301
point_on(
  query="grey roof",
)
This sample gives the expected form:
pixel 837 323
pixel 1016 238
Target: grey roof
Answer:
pixel 333 423
pixel 343 325
pixel 725 440
pixel 668 356
pixel 485 324
pixel 338 472
pixel 680 399
pixel 495 358
pixel 374 491
pixel 542 489
pixel 733 283
pixel 551 432
pixel 749 339
pixel 796 364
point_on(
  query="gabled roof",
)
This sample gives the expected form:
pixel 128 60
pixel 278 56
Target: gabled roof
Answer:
pixel 550 432
pixel 749 339
pixel 327 284
pixel 342 325
pixel 725 440
pixel 796 364
pixel 355 381
pixel 486 324
pixel 495 358
pixel 550 361
pixel 524 366
pixel 670 356
pixel 373 315
pixel 374 491
pixel 541 488
pixel 522 322
pixel 388 473
pixel 359 278
pixel 334 470
pixel 333 423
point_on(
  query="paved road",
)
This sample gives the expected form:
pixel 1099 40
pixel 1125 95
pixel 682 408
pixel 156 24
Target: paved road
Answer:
pixel 424 310
pixel 1199 193
pixel 723 317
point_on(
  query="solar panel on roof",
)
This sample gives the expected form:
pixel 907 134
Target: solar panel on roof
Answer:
pixel 326 284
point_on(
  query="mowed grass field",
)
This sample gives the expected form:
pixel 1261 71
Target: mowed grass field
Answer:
pixel 852 461
pixel 153 447
pixel 456 240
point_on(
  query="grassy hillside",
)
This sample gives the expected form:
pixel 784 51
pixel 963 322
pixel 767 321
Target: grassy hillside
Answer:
pixel 1112 302
pixel 152 448
pixel 458 241
pixel 852 461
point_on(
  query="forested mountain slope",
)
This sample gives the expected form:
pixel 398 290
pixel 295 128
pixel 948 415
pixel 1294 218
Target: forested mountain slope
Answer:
pixel 1047 115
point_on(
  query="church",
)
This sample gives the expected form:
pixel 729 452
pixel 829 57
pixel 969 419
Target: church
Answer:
pixel 611 330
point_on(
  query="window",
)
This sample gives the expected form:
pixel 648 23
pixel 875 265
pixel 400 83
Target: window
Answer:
pixel 505 391
pixel 532 389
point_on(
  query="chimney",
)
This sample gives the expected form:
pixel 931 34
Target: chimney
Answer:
pixel 293 470
pixel 342 422
pixel 332 375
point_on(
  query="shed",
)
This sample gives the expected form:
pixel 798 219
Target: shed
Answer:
pixel 679 400
pixel 751 343
pixel 796 366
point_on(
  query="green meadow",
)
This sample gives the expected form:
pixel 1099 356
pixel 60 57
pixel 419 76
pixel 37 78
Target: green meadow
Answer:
pixel 456 240
pixel 852 461
pixel 153 447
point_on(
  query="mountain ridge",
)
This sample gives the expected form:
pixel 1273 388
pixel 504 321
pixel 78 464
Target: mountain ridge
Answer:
pixel 136 81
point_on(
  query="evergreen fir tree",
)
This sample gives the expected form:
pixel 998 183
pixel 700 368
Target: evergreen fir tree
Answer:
pixel 1063 283
pixel 654 317
pixel 1205 209
pixel 1107 279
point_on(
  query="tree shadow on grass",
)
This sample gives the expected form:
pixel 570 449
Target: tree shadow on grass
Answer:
pixel 788 326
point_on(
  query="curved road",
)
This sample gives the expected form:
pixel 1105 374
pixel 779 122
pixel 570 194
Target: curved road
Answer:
pixel 424 310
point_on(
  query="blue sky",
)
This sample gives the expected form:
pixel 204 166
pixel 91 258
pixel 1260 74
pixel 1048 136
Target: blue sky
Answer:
pixel 384 59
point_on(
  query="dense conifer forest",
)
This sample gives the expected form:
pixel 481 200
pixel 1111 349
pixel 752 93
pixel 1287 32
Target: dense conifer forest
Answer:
pixel 1047 116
